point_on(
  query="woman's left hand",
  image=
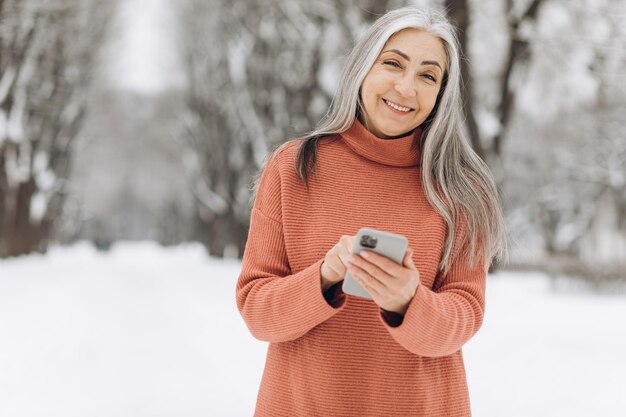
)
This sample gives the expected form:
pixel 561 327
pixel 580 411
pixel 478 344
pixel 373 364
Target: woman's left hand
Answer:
pixel 392 286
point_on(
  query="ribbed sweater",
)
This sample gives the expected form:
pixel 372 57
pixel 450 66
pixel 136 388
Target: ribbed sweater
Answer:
pixel 332 354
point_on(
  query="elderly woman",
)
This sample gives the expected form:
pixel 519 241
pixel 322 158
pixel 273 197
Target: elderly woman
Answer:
pixel 390 154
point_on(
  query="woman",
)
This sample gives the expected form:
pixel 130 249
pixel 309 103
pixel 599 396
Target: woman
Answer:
pixel 391 155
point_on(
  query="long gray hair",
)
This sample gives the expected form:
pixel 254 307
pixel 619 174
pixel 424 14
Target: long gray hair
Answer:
pixel 458 184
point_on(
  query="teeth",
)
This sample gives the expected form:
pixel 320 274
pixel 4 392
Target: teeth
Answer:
pixel 395 106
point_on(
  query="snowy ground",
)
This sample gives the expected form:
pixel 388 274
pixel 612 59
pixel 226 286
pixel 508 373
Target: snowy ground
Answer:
pixel 145 331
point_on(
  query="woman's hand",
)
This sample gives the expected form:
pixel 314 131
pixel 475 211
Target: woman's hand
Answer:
pixel 392 286
pixel 335 262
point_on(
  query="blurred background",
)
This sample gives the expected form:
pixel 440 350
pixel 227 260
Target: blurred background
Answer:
pixel 129 134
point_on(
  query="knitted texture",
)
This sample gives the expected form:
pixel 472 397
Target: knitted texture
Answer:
pixel 332 354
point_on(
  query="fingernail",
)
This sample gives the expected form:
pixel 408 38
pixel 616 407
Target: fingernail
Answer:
pixel 364 254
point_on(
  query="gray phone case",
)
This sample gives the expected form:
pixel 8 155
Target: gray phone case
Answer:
pixel 391 245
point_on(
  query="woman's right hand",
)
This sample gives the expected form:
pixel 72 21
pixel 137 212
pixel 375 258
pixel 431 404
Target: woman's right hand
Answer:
pixel 334 266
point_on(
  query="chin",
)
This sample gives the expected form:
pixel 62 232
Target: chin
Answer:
pixel 395 131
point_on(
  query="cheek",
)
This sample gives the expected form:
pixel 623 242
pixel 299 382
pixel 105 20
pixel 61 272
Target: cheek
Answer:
pixel 428 100
pixel 366 90
pixel 373 85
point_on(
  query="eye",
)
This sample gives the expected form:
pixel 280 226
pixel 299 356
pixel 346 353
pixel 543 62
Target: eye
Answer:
pixel 430 77
pixel 392 63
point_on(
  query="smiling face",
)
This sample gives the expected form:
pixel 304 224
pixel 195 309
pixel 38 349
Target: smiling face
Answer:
pixel 400 90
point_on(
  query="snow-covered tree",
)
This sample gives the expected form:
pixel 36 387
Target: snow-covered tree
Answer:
pixel 545 88
pixel 259 72
pixel 565 160
pixel 46 54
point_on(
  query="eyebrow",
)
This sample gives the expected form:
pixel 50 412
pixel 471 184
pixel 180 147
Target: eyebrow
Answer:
pixel 405 56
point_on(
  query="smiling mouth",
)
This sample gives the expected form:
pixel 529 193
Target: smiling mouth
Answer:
pixel 397 107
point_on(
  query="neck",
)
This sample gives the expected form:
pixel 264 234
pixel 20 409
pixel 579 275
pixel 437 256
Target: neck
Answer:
pixel 401 151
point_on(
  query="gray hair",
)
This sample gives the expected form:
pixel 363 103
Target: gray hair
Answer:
pixel 458 184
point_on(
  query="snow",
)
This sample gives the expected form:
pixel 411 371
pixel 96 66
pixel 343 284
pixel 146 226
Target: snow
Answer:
pixel 328 76
pixel 541 352
pixel 237 57
pixel 38 206
pixel 568 46
pixel 144 330
pixel 3 126
pixel 15 120
pixel 556 18
pixel 488 123
pixel 44 177
pixel 6 81
pixel 17 164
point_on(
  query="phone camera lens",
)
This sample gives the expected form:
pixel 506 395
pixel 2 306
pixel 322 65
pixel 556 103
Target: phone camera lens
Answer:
pixel 369 241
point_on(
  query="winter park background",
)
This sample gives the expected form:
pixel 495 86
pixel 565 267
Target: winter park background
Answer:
pixel 129 134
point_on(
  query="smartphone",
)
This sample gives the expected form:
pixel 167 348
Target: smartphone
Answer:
pixel 391 245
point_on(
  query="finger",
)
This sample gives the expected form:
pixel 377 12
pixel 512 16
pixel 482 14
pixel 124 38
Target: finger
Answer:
pixel 370 283
pixel 371 269
pixel 343 259
pixel 335 269
pixel 383 263
pixel 347 244
pixel 366 284
pixel 408 259
pixel 344 252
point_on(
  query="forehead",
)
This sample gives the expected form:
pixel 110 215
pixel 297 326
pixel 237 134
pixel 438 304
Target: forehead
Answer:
pixel 419 45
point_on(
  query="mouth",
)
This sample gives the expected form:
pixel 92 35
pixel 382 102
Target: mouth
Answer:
pixel 397 108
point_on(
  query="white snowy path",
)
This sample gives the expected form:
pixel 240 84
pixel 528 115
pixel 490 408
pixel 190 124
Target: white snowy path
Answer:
pixel 147 331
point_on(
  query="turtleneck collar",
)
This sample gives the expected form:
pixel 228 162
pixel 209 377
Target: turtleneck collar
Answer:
pixel 400 152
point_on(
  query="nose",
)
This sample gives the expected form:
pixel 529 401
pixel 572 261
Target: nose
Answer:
pixel 406 86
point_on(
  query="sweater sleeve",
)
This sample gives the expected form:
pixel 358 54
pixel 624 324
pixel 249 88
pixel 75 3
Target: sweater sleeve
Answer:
pixel 276 304
pixel 439 323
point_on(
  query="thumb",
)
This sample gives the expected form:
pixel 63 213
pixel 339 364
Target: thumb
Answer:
pixel 408 259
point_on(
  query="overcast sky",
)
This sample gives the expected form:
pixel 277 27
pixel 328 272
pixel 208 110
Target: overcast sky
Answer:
pixel 142 53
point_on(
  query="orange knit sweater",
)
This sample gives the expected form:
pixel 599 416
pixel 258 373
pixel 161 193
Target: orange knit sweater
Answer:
pixel 332 354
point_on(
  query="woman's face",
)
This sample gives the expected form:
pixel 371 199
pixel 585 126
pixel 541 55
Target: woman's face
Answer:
pixel 401 88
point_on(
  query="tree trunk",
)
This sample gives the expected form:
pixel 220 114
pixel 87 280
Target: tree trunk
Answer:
pixel 518 54
pixel 45 69
pixel 22 235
